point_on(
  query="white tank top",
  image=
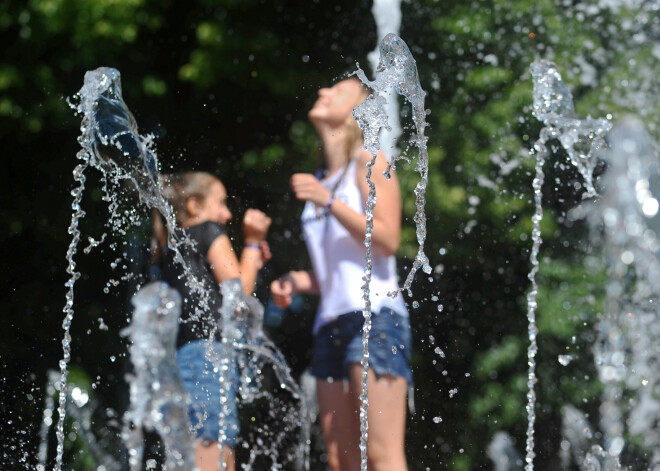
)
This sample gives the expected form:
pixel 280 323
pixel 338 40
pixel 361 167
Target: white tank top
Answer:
pixel 338 259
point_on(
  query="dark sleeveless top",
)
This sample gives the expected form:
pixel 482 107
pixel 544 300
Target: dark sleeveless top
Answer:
pixel 194 326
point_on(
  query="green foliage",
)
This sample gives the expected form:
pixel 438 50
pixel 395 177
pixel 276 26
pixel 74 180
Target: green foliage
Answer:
pixel 570 296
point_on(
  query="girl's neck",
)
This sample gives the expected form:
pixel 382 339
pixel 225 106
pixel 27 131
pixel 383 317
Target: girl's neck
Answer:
pixel 334 147
pixel 192 221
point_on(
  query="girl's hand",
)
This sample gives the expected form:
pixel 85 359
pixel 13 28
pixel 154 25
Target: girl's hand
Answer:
pixel 282 291
pixel 255 226
pixel 265 252
pixel 307 188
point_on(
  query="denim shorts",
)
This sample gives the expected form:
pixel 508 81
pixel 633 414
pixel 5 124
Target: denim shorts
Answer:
pixel 339 343
pixel 202 381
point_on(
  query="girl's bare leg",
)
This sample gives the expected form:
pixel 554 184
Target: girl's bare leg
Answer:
pixel 340 424
pixel 207 457
pixel 387 419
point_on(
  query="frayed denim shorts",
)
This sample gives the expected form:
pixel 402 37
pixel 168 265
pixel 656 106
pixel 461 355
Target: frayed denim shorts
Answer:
pixel 339 343
pixel 202 381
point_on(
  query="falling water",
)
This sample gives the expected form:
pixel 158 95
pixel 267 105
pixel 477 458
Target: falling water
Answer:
pixel 582 139
pixel 110 143
pixel 397 69
pixel 540 151
pixel 387 14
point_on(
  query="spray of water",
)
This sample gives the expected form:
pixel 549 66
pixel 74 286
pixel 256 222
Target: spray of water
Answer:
pixel 396 69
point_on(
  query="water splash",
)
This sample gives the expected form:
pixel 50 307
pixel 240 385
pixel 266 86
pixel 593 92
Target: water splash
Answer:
pixel 396 68
pixel 158 400
pixel 242 319
pixel 553 105
pixel 582 139
pixel 111 144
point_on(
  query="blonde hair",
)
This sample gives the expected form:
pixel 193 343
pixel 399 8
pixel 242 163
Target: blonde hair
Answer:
pixel 177 189
pixel 354 136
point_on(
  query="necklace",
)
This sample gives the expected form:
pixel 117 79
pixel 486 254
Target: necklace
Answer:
pixel 322 212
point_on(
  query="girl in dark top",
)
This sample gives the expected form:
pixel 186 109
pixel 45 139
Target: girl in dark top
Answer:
pixel 199 201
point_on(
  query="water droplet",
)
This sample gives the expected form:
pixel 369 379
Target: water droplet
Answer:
pixel 437 420
pixel 565 359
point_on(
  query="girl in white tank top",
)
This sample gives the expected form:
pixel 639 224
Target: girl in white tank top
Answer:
pixel 338 258
pixel 334 224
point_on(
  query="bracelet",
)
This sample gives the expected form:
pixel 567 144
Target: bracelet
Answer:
pixel 329 205
pixel 252 245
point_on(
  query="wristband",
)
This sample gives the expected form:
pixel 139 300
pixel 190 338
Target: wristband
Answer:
pixel 252 245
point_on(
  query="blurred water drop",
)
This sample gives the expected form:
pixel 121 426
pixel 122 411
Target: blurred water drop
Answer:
pixel 564 360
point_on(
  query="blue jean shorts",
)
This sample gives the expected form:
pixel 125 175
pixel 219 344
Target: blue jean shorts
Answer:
pixel 202 381
pixel 339 343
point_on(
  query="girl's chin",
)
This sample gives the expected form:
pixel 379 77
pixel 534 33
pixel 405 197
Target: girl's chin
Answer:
pixel 315 115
